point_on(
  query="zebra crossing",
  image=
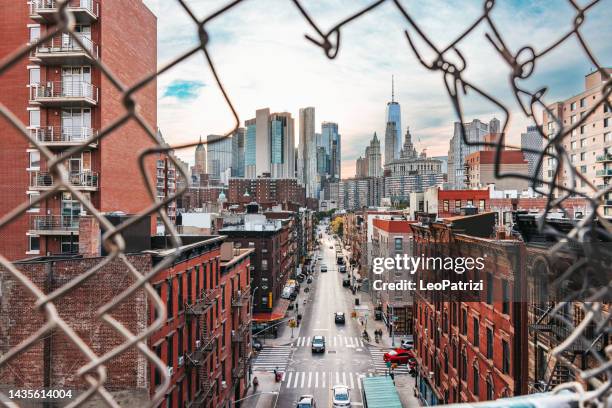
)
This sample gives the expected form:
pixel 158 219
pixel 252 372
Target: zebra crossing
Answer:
pixel 332 341
pixel 322 379
pixel 270 358
pixel 379 362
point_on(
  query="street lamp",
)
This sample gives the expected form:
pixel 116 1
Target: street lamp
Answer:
pixel 256 394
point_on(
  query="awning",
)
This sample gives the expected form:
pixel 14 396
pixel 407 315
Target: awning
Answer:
pixel 277 313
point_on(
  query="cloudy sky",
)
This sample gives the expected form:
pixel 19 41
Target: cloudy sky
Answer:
pixel 263 59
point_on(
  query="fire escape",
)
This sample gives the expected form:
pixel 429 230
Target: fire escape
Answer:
pixel 205 347
pixel 550 328
pixel 241 334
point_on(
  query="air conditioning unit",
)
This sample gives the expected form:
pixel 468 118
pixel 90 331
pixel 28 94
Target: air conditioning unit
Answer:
pixel 170 371
pixel 198 344
pixel 181 361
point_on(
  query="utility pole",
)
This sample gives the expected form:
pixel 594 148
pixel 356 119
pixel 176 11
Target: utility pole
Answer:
pixel 392 328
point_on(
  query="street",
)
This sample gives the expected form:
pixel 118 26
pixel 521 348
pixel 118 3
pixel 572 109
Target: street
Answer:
pixel 347 356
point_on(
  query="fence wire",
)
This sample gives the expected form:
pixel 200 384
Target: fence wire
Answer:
pixel 522 66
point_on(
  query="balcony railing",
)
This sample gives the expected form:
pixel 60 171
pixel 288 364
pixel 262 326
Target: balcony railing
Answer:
pixel 63 135
pixel 240 334
pixel 64 93
pixel 48 224
pixel 83 10
pixel 604 173
pixel 85 180
pixel 604 157
pixel 202 303
pixel 66 50
pixel 206 392
pixel 203 350
pixel 240 370
pixel 241 297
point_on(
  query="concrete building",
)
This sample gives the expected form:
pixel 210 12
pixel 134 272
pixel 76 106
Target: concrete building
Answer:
pixel 475 132
pixel 390 135
pixel 373 157
pixel 64 100
pixel 589 146
pixel 238 152
pixel 266 191
pixel 218 155
pixel 200 159
pixel 166 176
pixel 480 169
pixel 361 167
pixel 307 160
pixel 452 202
pixel 533 140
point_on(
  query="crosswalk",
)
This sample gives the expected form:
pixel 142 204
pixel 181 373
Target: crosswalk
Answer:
pixel 323 379
pixel 332 341
pixel 270 358
pixel 379 363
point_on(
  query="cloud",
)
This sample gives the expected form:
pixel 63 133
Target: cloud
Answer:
pixel 183 90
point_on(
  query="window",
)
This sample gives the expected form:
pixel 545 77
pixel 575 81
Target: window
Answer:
pixel 505 297
pixel 505 357
pixel 489 343
pixel 445 361
pixel 457 204
pixel 31 198
pixel 463 365
pixel 582 102
pixel 573 106
pixel 170 351
pixel 69 245
pixel 34 118
pixel 606 122
pixel 583 169
pixel 476 333
pixel 445 205
pixel 157 373
pixel 399 244
pixel 34 33
pixel 180 340
pixel 608 137
pixel 170 300
pixel 573 119
pixel 490 288
pixel 490 393
pixel 455 355
pixel 33 243
pixel 181 301
pixel 582 156
pixel 223 299
pixel 582 129
pixel 34 76
pixel 470 202
pixel 476 379
pixel 189 287
pixel 582 142
pixel 264 264
pixel 34 159
pixel 481 205
pixel 464 322
pixel 573 145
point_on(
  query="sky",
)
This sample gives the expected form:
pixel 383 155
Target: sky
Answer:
pixel 263 60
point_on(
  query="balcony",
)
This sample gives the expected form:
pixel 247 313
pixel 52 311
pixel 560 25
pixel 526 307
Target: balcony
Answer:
pixel 206 393
pixel 62 136
pixel 604 173
pixel 241 369
pixel 203 350
pixel 607 203
pixel 86 181
pixel 203 303
pixel 604 158
pixel 241 297
pixel 84 11
pixel 240 335
pixel 54 225
pixel 65 50
pixel 64 93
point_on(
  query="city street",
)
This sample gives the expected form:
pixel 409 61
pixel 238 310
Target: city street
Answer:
pixel 347 356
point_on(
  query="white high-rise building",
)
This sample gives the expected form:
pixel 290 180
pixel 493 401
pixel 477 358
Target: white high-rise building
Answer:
pixel 307 156
pixel 530 141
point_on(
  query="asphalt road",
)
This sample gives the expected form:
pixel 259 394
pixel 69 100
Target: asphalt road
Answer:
pixel 346 358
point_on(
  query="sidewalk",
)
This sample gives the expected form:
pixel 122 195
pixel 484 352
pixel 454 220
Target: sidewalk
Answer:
pixel 261 399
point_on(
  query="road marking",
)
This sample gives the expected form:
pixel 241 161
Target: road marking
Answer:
pixel 289 378
pixel 307 341
pixel 302 383
pixel 351 380
pixel 343 378
pixel 297 376
pixel 337 377
pixel 317 379
pixel 309 379
pixel 349 341
pixel 323 380
pixel 359 377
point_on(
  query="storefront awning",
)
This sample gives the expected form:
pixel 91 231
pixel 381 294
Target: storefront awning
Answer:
pixel 277 313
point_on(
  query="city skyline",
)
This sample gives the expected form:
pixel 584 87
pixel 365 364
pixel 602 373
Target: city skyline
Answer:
pixel 190 103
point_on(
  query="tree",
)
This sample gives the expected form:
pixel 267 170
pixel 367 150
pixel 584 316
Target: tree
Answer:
pixel 337 226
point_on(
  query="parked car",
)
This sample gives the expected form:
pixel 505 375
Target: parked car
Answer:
pixel 306 401
pixel 339 317
pixel 257 346
pixel 342 269
pixel 346 282
pixel 398 356
pixel 407 343
pixel 341 396
pixel 323 268
pixel 318 344
pixel 309 280
pixel 331 247
pixel 300 277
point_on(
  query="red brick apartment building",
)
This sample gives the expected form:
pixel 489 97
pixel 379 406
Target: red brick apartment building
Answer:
pixel 470 351
pixel 63 99
pixel 450 202
pixel 480 169
pixel 265 191
pixel 204 342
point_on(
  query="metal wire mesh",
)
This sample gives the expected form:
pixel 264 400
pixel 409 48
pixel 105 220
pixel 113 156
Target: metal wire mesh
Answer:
pixel 521 64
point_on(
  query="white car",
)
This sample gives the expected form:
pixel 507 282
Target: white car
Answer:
pixel 407 343
pixel 341 396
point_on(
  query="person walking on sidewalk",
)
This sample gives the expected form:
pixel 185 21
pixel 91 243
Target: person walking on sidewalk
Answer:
pixel 255 384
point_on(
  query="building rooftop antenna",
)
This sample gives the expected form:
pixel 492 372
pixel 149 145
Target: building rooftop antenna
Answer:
pixel 392 90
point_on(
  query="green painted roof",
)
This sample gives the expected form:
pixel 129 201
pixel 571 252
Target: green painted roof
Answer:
pixel 380 392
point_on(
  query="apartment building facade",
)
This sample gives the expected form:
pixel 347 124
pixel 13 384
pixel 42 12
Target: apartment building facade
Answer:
pixel 589 146
pixel 64 100
pixel 481 166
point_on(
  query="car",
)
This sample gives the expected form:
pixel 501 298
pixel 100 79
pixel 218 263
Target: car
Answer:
pixel 318 344
pixel 257 346
pixel 323 268
pixel 342 269
pixel 339 317
pixel 398 356
pixel 331 247
pixel 407 343
pixel 300 277
pixel 306 401
pixel 320 258
pixel 309 280
pixel 341 396
pixel 346 282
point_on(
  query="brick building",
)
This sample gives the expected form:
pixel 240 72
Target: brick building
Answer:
pixel 471 351
pixel 63 100
pixel 480 169
pixel 266 191
pixel 204 342
pixel 450 202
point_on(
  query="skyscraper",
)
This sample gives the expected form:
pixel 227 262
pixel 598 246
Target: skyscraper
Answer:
pixel 390 133
pixel 475 132
pixel 373 158
pixel 219 156
pixel 269 145
pixel 238 153
pixel 200 158
pixel 330 140
pixel 307 166
pixel 393 114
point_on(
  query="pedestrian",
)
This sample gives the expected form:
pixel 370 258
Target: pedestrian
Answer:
pixel 255 384
pixel 296 307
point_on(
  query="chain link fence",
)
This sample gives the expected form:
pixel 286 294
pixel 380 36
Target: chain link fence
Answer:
pixel 522 66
